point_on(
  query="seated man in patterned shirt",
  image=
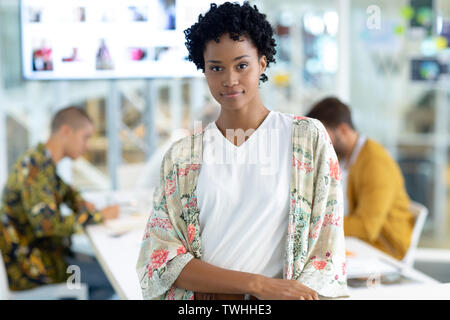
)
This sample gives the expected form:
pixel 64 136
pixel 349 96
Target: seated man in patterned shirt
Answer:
pixel 34 235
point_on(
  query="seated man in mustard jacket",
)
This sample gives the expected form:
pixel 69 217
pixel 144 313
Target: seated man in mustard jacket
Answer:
pixel 376 203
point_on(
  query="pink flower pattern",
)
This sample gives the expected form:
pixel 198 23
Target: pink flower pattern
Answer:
pixel 161 223
pixel 184 172
pixel 314 233
pixel 319 264
pixel 170 187
pixel 302 166
pixel 331 219
pixel 149 270
pixel 171 293
pixel 192 203
pixel 181 250
pixel 191 233
pixel 158 258
pixel 292 203
pixel 335 171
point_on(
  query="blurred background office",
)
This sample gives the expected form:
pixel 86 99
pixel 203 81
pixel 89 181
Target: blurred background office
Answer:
pixel 388 60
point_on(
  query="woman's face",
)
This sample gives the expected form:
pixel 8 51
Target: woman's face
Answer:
pixel 232 70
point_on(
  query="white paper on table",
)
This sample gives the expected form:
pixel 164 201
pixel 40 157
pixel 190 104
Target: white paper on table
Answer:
pixel 358 267
pixel 123 225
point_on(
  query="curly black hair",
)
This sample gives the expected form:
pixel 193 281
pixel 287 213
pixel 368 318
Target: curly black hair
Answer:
pixel 236 20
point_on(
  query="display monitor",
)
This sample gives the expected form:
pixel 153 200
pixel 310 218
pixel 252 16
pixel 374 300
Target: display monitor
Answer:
pixel 427 69
pixel 107 39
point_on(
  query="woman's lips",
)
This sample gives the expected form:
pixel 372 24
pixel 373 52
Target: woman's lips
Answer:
pixel 232 94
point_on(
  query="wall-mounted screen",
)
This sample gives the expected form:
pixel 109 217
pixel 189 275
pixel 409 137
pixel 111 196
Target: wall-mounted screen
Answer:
pixel 423 15
pixel 427 69
pixel 107 39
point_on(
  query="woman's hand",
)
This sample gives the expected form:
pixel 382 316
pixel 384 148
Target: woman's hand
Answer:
pixel 280 289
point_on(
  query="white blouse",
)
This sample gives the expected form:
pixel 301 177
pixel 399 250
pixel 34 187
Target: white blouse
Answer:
pixel 245 186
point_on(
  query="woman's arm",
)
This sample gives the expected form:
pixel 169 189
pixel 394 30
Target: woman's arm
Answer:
pixel 324 266
pixel 200 276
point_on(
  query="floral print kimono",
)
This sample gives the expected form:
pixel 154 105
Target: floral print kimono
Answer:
pixel 314 250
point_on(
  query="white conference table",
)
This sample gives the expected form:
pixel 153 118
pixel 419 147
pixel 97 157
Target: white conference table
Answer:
pixel 116 244
pixel 117 250
pixel 363 260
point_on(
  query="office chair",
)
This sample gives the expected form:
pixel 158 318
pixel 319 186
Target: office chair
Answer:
pixel 46 292
pixel 420 213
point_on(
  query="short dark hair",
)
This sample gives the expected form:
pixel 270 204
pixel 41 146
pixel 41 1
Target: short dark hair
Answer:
pixel 236 20
pixel 331 112
pixel 72 116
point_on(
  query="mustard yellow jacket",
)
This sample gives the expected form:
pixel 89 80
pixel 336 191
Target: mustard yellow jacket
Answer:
pixel 379 207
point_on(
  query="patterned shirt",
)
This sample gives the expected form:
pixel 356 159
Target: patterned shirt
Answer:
pixel 34 234
pixel 315 245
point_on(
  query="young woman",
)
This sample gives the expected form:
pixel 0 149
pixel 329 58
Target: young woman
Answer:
pixel 265 220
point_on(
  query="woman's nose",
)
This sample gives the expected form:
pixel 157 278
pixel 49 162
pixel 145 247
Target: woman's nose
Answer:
pixel 230 79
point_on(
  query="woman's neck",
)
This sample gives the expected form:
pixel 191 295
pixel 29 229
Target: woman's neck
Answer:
pixel 249 117
pixel 243 119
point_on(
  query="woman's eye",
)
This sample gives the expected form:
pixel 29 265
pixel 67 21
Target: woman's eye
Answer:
pixel 216 68
pixel 242 66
